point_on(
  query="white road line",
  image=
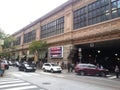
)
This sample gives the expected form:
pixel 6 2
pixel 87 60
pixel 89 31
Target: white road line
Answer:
pixel 7 79
pixel 9 82
pixel 22 88
pixel 16 84
pixel 34 74
pixel 17 75
pixel 21 74
pixel 11 85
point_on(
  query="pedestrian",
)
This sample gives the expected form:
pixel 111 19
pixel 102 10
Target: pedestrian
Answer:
pixel 69 66
pixel 117 71
pixel 2 68
pixel 72 67
pixel 98 66
pixel 101 67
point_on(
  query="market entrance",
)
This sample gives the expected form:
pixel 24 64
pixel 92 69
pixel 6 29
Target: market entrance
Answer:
pixel 105 53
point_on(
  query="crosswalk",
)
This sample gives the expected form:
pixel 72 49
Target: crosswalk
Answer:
pixel 23 74
pixel 17 84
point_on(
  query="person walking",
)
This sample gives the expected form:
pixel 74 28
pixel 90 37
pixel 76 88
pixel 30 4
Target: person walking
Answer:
pixel 69 66
pixel 2 68
pixel 72 67
pixel 117 71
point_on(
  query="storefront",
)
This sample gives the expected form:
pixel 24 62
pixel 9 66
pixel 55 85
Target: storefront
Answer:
pixel 106 53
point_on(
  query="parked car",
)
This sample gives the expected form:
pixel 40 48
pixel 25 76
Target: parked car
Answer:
pixel 27 67
pixel 90 69
pixel 52 67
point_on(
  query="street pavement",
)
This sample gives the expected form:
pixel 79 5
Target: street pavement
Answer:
pixel 39 80
pixel 64 73
pixel 17 84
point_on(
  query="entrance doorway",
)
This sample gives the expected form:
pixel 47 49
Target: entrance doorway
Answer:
pixel 105 53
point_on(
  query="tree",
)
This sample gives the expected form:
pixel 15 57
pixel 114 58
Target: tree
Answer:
pixel 2 34
pixel 38 47
pixel 7 41
pixel 7 44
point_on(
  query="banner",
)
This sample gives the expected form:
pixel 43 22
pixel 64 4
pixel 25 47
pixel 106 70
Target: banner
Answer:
pixel 56 52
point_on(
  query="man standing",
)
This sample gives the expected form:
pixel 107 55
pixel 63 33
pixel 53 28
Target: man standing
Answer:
pixel 117 71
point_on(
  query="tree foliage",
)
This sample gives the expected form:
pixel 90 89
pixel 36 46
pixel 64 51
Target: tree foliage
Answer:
pixel 7 44
pixel 7 41
pixel 38 47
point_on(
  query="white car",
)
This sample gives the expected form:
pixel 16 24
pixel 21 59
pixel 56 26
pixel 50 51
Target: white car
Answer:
pixel 52 67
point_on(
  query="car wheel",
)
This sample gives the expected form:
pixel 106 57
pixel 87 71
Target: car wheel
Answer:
pixel 44 70
pixel 102 74
pixel 25 70
pixel 82 73
pixel 33 70
pixel 52 71
pixel 19 69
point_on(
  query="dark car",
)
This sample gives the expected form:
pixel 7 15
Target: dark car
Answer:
pixel 27 67
pixel 90 69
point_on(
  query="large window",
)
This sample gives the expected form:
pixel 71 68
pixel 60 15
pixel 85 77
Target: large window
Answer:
pixel 17 41
pixel 98 11
pixel 28 37
pixel 80 19
pixel 52 28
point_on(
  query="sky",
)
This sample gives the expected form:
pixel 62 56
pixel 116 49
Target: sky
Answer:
pixel 16 14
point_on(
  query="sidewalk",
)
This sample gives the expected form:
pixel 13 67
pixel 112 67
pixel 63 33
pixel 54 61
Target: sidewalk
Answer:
pixel 111 76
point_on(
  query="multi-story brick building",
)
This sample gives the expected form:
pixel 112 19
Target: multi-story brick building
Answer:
pixel 80 30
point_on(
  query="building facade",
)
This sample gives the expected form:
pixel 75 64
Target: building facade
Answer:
pixel 79 30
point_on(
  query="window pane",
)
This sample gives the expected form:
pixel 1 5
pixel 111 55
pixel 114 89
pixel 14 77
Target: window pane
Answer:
pixel 114 14
pixel 114 5
pixel 113 0
pixel 119 4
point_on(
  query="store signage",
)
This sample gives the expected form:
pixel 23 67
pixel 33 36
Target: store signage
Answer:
pixel 56 52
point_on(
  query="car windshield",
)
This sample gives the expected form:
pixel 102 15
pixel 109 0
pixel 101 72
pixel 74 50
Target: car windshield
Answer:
pixel 92 66
pixel 54 64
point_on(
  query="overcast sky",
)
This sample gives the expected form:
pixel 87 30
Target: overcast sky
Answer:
pixel 15 14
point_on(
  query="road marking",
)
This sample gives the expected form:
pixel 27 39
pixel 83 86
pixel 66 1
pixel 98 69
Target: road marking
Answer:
pixel 17 75
pixel 11 85
pixel 21 74
pixel 8 82
pixel 34 74
pixel 7 79
pixel 16 84
pixel 22 88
